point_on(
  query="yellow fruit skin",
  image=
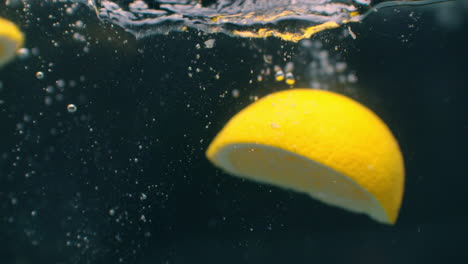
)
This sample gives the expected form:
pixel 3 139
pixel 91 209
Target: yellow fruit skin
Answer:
pixel 11 39
pixel 330 129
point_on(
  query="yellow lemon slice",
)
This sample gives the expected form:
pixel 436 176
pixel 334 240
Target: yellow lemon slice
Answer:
pixel 11 39
pixel 316 142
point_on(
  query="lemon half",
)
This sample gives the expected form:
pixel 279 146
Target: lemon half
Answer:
pixel 316 142
pixel 11 39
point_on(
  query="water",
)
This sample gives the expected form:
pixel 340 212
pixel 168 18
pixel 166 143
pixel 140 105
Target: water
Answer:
pixel 103 139
pixel 285 19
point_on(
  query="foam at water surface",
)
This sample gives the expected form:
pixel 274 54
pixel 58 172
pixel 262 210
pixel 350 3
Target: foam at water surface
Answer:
pixel 288 19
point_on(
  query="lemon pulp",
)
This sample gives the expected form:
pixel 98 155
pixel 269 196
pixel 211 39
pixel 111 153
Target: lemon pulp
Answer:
pixel 319 143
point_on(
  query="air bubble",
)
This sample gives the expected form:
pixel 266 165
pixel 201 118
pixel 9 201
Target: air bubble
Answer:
pixel 60 83
pixel 40 75
pixel 71 108
pixel 235 93
pixel 290 78
pixel 267 58
pixel 289 67
pixel 209 43
pixel 279 76
pixel 23 53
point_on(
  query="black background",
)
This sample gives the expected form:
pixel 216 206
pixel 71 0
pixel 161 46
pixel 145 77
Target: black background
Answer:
pixel 138 93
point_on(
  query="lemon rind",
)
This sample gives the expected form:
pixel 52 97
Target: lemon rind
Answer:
pixel 11 39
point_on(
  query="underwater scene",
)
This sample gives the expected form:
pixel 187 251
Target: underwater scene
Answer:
pixel 233 131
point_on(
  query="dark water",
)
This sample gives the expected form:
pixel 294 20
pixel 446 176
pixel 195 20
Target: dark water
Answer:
pixel 124 178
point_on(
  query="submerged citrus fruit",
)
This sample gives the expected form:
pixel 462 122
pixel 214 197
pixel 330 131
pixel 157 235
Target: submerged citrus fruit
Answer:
pixel 316 142
pixel 11 39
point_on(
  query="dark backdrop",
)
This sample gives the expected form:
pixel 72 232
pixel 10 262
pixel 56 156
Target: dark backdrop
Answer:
pixel 124 178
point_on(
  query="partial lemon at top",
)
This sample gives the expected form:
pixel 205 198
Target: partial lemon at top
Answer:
pixel 11 39
pixel 316 142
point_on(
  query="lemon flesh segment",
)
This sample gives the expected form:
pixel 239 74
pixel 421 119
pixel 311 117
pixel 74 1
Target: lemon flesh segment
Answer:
pixel 319 143
pixel 11 39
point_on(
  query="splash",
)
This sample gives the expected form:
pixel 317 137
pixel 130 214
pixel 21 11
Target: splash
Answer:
pixel 290 20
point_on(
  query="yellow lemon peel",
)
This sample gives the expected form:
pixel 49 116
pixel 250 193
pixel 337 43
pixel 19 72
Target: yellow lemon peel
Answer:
pixel 316 142
pixel 11 39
